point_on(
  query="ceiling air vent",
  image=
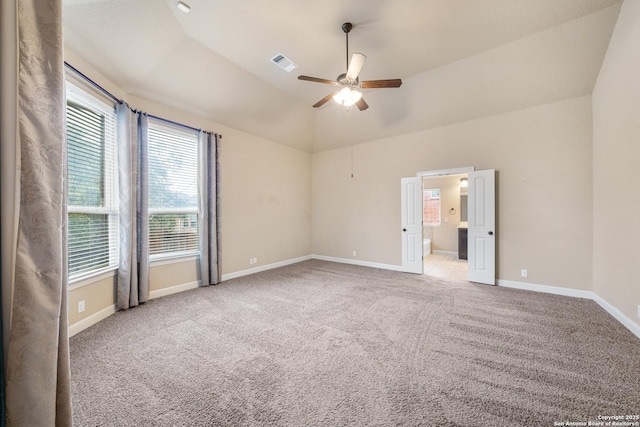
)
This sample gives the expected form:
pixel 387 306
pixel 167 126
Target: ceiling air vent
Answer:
pixel 283 62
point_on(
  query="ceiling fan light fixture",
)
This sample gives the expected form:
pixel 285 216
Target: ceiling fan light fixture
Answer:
pixel 347 96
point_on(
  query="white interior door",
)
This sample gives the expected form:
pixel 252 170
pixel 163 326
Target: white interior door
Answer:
pixel 411 199
pixel 481 245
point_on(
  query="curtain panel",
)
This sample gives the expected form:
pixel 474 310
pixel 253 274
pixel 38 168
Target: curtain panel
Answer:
pixel 9 174
pixel 37 363
pixel 133 194
pixel 210 271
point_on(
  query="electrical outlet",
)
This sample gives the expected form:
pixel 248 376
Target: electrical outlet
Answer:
pixel 524 273
pixel 80 306
pixel 354 253
pixel 255 260
pixel 638 310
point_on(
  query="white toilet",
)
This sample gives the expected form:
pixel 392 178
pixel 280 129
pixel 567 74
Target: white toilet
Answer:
pixel 426 246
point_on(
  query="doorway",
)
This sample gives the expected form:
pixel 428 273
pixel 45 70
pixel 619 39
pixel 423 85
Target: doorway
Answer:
pixel 444 230
pixel 480 223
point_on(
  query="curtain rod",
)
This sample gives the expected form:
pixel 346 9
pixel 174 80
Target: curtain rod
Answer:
pixel 171 122
pixel 119 101
pixel 94 84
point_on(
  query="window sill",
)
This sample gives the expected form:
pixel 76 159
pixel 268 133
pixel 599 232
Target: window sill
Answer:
pixel 173 258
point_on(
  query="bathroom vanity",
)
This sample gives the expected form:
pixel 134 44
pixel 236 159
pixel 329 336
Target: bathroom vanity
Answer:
pixel 462 241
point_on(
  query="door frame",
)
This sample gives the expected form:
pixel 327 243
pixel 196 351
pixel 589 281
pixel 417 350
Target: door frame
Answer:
pixel 445 172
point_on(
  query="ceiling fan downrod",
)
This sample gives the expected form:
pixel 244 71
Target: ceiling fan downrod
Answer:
pixel 346 27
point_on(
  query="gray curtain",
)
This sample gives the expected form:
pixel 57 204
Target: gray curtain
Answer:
pixel 209 224
pixel 34 263
pixel 133 182
pixel 9 175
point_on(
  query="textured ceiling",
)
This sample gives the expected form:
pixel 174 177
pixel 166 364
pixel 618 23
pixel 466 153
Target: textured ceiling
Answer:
pixel 499 55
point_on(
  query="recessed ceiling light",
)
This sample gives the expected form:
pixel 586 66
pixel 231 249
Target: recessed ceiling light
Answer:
pixel 184 7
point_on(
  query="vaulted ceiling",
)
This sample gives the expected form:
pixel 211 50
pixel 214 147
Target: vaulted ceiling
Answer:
pixel 458 59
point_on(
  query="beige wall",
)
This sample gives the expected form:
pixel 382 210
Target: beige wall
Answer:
pixel 543 158
pixel 97 296
pixel 445 236
pixel 616 156
pixel 266 202
pixel 164 275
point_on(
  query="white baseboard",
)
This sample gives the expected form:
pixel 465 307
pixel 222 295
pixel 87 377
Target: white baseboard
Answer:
pixel 620 317
pixel 91 320
pixel 249 271
pixel 173 289
pixel 358 262
pixel 617 314
pixel 108 311
pixel 266 267
pixel 556 290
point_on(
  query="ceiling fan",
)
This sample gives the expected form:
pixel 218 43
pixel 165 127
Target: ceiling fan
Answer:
pixel 346 93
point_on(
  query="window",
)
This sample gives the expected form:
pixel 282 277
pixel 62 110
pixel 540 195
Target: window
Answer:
pixel 431 206
pixel 92 206
pixel 173 190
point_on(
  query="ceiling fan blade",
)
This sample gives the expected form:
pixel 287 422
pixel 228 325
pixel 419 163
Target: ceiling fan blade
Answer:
pixel 361 104
pixel 324 100
pixel 317 80
pixel 355 65
pixel 374 84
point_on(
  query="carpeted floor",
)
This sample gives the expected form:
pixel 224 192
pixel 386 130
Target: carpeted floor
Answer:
pixel 325 344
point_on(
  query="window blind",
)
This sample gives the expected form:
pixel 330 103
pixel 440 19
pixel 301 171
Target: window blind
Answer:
pixel 173 190
pixel 92 187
